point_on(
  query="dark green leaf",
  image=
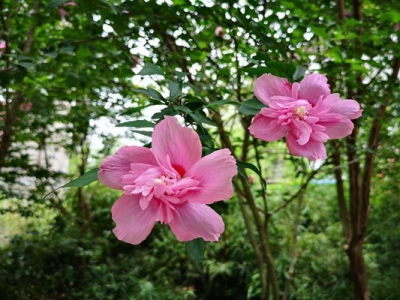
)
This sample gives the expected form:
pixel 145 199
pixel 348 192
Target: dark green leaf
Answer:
pixel 151 69
pixel 84 180
pixel 195 249
pixel 251 107
pixel 145 133
pixel 152 93
pixel 137 124
pixel 200 118
pixel 244 165
pixel 175 90
pixel 56 3
pixel 222 102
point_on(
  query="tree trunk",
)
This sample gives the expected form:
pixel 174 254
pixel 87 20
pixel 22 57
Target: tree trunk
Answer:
pixel 358 271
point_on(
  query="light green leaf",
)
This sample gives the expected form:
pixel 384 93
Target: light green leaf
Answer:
pixel 84 180
pixel 300 70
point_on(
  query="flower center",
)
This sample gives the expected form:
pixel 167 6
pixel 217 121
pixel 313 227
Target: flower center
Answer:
pixel 165 180
pixel 300 112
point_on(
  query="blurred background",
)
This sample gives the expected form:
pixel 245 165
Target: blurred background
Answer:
pixel 70 71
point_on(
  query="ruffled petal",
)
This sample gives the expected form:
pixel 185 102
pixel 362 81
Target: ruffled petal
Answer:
pixel 214 173
pixel 192 221
pixel 133 224
pixel 313 86
pixel 181 144
pixel 268 85
pixel 336 126
pixel 301 130
pixel 325 105
pixel 114 167
pixel 267 129
pixel 348 108
pixel 313 150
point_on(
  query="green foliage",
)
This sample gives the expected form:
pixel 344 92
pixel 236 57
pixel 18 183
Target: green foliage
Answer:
pixel 79 74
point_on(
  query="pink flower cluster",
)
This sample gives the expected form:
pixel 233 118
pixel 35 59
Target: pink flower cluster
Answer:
pixel 170 183
pixel 305 112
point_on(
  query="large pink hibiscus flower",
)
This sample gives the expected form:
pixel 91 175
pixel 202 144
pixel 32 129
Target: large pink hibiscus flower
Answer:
pixel 170 183
pixel 306 113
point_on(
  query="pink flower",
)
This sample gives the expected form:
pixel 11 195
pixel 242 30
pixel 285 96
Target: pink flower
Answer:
pixel 63 13
pixel 219 31
pixel 3 46
pixel 306 113
pixel 72 3
pixel 170 183
pixel 136 60
pixel 25 107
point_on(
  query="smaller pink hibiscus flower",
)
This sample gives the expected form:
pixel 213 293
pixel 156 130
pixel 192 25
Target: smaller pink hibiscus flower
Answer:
pixel 219 31
pixel 3 46
pixel 306 113
pixel 170 183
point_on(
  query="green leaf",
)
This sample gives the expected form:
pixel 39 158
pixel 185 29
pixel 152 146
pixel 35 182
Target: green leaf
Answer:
pixel 84 180
pixel 56 3
pixel 300 70
pixel 175 90
pixel 251 107
pixel 151 69
pixel 222 102
pixel 195 249
pixel 152 93
pixel 145 133
pixel 200 117
pixel 244 165
pixel 137 124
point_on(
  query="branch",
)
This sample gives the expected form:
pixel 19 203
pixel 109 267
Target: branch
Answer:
pixel 343 211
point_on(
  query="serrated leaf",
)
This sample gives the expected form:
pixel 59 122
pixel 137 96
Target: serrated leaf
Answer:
pixel 244 165
pixel 56 3
pixel 251 107
pixel 137 124
pixel 84 180
pixel 151 69
pixel 195 249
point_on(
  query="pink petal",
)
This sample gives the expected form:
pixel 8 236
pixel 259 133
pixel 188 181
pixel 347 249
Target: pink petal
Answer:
pixel 336 126
pixel 193 221
pixel 313 86
pixel 349 108
pixel 114 167
pixel 301 130
pixel 181 144
pixel 214 173
pixel 133 224
pixel 312 150
pixel 269 85
pixel 267 129
pixel 325 105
